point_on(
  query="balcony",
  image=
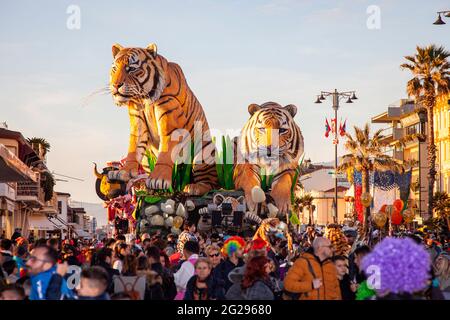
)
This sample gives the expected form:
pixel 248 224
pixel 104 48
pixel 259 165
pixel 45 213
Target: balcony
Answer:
pixel 398 133
pixel 51 207
pixel 31 193
pixel 387 135
pixel 8 190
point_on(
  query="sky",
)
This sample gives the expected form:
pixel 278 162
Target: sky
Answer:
pixel 233 53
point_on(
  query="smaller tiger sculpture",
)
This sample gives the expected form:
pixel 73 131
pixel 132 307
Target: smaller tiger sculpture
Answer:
pixel 270 142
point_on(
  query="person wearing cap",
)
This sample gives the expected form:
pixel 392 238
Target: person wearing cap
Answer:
pixel 233 249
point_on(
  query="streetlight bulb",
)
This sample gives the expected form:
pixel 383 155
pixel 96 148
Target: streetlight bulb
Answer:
pixel 322 97
pixel 354 97
pixel 318 100
pixel 349 100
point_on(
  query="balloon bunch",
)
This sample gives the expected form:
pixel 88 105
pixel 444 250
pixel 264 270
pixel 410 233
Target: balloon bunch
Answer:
pixel 398 213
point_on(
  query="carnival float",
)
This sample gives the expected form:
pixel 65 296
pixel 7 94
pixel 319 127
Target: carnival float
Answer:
pixel 246 183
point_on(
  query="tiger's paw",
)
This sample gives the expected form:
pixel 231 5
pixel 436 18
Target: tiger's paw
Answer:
pixel 126 173
pixel 160 177
pixel 197 189
pixel 282 199
pixel 121 175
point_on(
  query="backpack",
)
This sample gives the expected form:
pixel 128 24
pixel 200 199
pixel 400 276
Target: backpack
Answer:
pixel 294 295
pixel 129 289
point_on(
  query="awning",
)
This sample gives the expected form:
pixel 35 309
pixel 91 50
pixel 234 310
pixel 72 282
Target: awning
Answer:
pixel 13 169
pixel 82 233
pixel 38 222
pixel 56 223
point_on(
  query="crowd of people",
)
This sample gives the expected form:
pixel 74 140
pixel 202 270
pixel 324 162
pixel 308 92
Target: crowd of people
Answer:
pixel 198 266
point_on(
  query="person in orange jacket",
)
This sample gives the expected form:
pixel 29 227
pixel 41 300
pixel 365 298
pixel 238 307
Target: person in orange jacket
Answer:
pixel 313 275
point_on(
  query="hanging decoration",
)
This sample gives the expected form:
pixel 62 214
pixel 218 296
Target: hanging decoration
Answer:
pixel 366 199
pixel 408 215
pixel 379 219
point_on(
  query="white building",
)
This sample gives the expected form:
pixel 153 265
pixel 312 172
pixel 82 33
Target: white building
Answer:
pixel 320 185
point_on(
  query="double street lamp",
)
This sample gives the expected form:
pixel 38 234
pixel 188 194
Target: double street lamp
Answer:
pixel 439 20
pixel 336 96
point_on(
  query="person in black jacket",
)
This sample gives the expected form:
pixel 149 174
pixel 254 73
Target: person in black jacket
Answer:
pixel 233 260
pixel 104 258
pixel 6 250
pixel 203 285
pixel 355 272
pixel 170 289
pixel 348 288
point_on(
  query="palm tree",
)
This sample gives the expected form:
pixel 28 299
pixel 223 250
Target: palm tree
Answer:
pixel 305 202
pixel 442 207
pixel 40 145
pixel 431 79
pixel 366 155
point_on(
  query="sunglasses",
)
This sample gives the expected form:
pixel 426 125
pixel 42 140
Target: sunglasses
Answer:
pixel 34 258
pixel 214 255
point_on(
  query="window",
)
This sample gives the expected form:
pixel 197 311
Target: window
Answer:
pixel 414 129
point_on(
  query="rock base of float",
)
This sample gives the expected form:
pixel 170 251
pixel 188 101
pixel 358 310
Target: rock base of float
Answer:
pixel 203 222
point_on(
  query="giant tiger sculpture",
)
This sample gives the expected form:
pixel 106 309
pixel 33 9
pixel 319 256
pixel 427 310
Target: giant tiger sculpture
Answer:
pixel 159 102
pixel 270 141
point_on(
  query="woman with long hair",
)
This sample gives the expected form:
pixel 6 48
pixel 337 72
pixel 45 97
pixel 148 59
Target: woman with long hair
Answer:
pixel 121 249
pixel 255 284
pixel 129 281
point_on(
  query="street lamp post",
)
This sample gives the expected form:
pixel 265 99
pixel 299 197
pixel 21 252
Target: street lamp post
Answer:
pixel 336 96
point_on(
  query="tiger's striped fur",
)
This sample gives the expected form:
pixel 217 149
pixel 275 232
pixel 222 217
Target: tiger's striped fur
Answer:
pixel 270 142
pixel 162 110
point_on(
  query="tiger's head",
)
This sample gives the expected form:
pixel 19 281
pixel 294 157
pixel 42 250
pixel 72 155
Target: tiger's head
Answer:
pixel 271 137
pixel 135 75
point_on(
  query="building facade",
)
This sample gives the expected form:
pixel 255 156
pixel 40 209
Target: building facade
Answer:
pixel 27 204
pixel 442 141
pixel 402 119
pixel 319 183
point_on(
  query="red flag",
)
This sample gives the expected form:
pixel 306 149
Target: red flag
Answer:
pixel 327 128
pixel 342 128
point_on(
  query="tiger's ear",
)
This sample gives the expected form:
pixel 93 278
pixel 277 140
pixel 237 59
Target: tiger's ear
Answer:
pixel 152 49
pixel 253 108
pixel 115 49
pixel 291 109
pixel 218 199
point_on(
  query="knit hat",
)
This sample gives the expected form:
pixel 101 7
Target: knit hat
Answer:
pixel 232 244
